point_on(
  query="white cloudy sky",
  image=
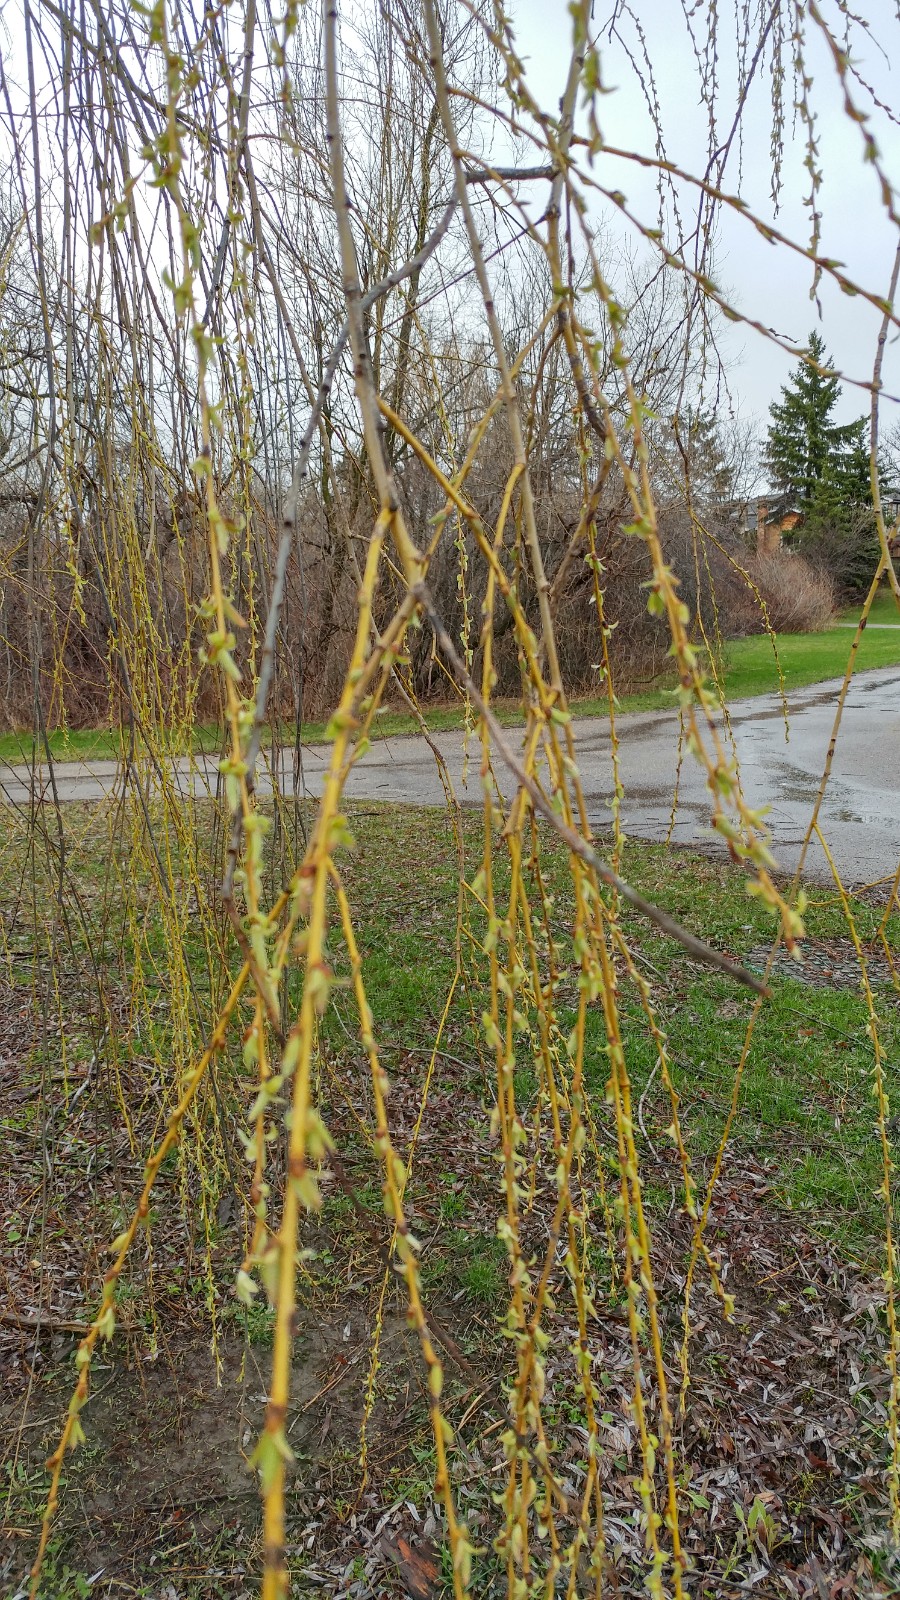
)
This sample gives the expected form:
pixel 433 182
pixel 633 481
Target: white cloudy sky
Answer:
pixel 764 282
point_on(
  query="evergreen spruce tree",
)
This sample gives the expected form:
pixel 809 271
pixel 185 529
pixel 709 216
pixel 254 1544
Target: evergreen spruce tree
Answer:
pixel 840 528
pixel 803 441
pixel 823 468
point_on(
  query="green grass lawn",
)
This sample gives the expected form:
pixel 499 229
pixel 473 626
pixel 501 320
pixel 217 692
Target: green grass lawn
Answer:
pixel 806 1105
pixel 884 609
pixel 804 1164
pixel 805 658
pixel 750 668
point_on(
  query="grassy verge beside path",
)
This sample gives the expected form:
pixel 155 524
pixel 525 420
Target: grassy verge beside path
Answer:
pixel 806 1104
pixel 884 610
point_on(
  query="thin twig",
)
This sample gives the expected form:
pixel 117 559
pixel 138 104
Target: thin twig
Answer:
pixel 696 948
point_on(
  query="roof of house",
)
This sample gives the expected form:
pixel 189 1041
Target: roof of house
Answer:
pixel 773 507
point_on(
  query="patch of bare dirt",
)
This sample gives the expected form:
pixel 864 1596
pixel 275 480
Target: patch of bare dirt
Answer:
pixel 782 1445
pixel 162 1490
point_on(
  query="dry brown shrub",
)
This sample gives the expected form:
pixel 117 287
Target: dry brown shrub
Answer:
pixel 800 597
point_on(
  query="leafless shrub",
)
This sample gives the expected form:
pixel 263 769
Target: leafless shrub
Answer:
pixel 800 597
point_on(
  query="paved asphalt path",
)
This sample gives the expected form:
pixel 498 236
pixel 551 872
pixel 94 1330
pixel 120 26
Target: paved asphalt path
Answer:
pixel 859 817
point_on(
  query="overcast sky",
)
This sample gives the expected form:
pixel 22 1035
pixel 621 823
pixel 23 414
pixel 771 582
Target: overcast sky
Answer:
pixel 764 282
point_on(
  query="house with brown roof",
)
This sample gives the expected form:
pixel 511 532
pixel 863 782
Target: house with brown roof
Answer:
pixel 765 519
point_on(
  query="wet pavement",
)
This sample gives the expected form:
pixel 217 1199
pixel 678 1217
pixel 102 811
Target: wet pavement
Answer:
pixel 779 767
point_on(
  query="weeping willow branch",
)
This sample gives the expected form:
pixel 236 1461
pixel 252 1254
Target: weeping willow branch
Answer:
pixel 573 841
